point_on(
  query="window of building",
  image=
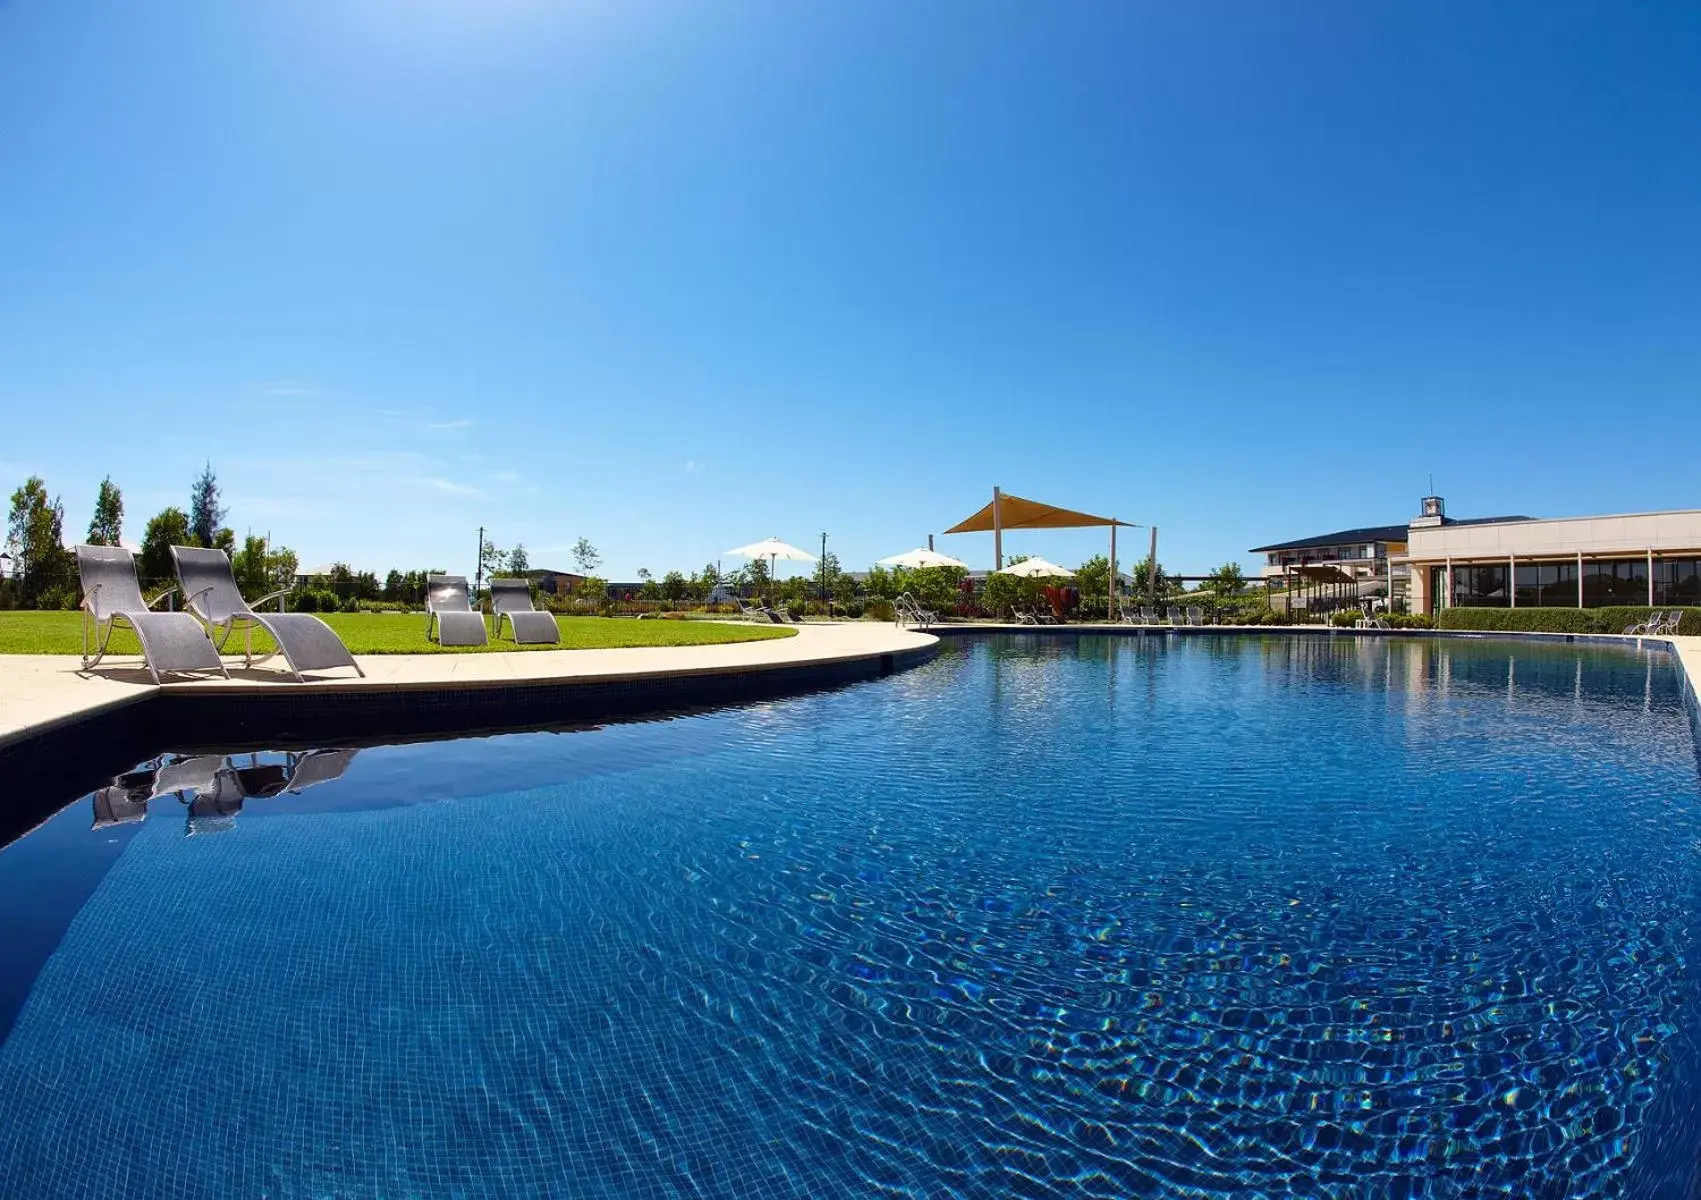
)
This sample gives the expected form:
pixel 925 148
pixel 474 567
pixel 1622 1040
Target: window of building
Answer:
pixel 1624 581
pixel 1546 585
pixel 1677 581
pixel 1479 587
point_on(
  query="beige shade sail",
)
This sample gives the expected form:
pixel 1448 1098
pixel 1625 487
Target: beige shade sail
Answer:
pixel 1017 513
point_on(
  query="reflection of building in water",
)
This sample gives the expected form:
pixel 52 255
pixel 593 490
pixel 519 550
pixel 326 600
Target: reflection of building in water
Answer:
pixel 213 787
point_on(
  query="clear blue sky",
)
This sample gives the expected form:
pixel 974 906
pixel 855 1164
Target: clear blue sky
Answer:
pixel 679 277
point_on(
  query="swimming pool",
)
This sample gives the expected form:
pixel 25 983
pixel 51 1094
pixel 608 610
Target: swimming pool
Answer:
pixel 1158 916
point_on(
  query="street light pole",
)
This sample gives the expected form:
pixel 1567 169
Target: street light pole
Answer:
pixel 478 572
pixel 824 567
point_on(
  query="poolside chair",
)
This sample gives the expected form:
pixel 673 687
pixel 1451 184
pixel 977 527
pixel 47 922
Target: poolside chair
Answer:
pixel 1655 623
pixel 1175 617
pixel 172 642
pixel 512 601
pixel 1148 615
pixel 452 615
pixel 1195 615
pixel 210 592
pixel 760 613
pixel 1127 614
pixel 1673 622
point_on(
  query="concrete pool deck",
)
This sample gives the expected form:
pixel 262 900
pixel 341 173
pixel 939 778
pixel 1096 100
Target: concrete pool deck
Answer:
pixel 39 692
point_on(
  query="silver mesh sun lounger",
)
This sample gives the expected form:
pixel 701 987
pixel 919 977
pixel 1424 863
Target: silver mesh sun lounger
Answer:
pixel 210 592
pixel 173 642
pixel 450 606
pixel 512 600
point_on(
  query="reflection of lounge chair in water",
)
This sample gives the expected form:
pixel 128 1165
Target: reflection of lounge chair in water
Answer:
pixel 214 809
pixel 195 774
pixel 119 805
pixel 318 766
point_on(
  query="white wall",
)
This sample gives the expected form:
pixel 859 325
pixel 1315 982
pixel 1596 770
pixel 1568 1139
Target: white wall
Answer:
pixel 1593 536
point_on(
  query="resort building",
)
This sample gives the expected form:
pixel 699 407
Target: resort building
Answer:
pixel 1573 562
pixel 1349 565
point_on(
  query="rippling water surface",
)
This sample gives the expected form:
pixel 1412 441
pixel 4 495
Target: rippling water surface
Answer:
pixel 1154 917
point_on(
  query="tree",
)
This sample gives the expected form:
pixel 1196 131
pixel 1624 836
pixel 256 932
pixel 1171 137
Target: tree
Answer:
pixel 169 528
pixel 1143 577
pixel 35 529
pixel 673 587
pixel 1092 579
pixel 1228 580
pixel 205 512
pixel 490 560
pixel 393 584
pixel 585 556
pixel 937 588
pixel 518 561
pixel 108 520
pixel 880 584
pixel 249 566
pixel 644 574
pixel 827 573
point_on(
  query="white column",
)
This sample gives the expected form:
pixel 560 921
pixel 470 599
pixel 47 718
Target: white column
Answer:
pixel 1650 577
pixel 1579 579
pixel 1511 581
pixel 1447 594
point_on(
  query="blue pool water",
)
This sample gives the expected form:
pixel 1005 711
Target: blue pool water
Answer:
pixel 1143 917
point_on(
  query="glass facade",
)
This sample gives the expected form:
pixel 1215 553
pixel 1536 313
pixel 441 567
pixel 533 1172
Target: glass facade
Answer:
pixel 1480 587
pixel 1677 581
pixel 1546 585
pixel 1620 581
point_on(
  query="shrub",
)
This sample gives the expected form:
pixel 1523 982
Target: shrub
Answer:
pixel 1344 620
pixel 880 609
pixel 796 610
pixel 852 609
pixel 1613 619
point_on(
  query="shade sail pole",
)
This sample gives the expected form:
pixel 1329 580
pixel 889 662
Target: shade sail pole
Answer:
pixel 1152 568
pixel 1110 599
pixel 997 533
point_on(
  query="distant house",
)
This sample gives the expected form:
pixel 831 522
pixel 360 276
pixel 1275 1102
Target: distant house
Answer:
pixel 555 583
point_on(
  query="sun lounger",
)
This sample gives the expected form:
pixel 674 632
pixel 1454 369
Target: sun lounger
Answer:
pixel 172 642
pixel 512 601
pixel 210 592
pixel 760 613
pixel 452 615
pixel 1175 616
pixel 1195 615
pixel 1656 623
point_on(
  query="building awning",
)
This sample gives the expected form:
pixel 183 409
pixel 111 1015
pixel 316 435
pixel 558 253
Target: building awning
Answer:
pixel 1017 513
pixel 1318 574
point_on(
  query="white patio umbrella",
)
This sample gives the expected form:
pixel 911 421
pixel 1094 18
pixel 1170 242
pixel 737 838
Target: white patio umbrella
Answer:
pixel 1037 568
pixel 922 557
pixel 773 549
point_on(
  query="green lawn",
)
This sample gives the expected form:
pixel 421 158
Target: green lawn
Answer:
pixel 395 633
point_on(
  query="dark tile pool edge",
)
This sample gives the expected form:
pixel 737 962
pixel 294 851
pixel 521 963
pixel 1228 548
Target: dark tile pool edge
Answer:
pixel 51 766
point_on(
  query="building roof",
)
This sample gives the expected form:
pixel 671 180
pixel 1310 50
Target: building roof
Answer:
pixel 1372 533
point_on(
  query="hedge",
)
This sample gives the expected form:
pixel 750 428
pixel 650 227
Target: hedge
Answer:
pixel 1561 620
